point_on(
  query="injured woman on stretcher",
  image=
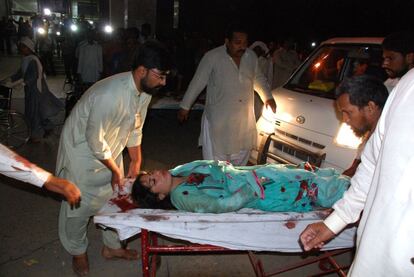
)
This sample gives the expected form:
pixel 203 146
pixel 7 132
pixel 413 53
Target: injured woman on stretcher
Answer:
pixel 219 187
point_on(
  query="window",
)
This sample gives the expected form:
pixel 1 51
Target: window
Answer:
pixel 321 74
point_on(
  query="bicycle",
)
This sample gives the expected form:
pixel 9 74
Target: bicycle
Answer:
pixel 14 129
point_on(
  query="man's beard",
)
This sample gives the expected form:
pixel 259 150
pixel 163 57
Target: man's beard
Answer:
pixel 147 89
pixel 397 74
pixel 360 132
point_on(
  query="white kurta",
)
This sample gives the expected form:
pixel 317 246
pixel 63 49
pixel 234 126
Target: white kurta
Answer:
pixel 90 63
pixel 15 166
pixel 108 118
pixel 383 188
pixel 229 105
pixel 390 83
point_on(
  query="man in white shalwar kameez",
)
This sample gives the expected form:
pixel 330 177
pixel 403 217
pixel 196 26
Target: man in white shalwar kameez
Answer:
pixel 231 74
pixel 383 188
pixel 108 118
pixel 89 55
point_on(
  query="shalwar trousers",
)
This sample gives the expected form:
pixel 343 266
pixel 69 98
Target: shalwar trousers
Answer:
pixel 73 233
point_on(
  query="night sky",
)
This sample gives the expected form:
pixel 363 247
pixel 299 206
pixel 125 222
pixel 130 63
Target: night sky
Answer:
pixel 304 20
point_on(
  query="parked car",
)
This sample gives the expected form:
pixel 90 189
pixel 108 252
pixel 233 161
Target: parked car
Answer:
pixel 307 125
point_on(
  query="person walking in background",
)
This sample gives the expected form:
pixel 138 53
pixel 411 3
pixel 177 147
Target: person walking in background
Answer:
pixel 285 61
pixel 3 24
pixel 68 47
pixel 89 55
pixel 40 105
pixel 264 60
pixel 231 74
pixel 10 34
pixel 46 48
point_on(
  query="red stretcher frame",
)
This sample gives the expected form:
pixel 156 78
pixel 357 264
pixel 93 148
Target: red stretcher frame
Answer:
pixel 150 249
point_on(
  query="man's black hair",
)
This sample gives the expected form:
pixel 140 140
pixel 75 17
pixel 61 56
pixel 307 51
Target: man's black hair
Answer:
pixel 235 27
pixel 362 89
pixel 402 42
pixel 152 54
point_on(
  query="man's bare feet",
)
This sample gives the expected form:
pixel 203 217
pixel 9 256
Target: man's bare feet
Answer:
pixel 119 253
pixel 80 264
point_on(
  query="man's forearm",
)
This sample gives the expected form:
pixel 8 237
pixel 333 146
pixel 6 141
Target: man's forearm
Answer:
pixel 111 165
pixel 136 159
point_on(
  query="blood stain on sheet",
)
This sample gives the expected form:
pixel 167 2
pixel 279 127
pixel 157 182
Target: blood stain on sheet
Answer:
pixel 290 224
pixel 124 203
pixel 154 217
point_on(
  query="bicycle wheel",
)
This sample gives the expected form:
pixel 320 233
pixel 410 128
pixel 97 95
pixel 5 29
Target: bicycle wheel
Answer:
pixel 14 130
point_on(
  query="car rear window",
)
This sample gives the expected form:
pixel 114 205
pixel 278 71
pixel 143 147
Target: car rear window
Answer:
pixel 331 63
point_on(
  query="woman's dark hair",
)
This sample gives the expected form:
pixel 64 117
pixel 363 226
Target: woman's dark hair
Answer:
pixel 145 199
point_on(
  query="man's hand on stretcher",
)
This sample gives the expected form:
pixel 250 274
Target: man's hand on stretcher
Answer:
pixel 182 115
pixel 117 179
pixel 315 235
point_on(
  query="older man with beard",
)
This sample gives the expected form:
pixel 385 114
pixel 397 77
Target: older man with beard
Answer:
pixel 360 100
pixel 382 188
pixel 108 118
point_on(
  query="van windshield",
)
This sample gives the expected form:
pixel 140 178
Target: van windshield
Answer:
pixel 331 63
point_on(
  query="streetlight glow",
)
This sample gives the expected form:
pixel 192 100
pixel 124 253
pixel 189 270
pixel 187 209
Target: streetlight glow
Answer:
pixel 108 29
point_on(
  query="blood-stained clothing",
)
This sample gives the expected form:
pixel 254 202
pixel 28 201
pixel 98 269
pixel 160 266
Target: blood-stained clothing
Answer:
pixel 229 105
pixel 218 187
pixel 383 189
pixel 108 118
pixel 14 166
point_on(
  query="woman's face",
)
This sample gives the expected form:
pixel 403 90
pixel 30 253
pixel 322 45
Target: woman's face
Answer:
pixel 158 182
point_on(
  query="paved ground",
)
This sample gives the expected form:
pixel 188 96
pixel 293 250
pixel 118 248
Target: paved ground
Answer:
pixel 29 244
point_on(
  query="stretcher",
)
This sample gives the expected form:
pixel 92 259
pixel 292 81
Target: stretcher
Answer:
pixel 245 230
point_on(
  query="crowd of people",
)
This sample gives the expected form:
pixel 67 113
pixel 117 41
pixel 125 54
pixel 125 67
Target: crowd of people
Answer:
pixel 122 72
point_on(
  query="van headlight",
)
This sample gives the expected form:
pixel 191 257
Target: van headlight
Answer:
pixel 347 138
pixel 266 121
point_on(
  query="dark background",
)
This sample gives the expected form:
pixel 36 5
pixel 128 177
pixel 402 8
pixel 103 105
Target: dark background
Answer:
pixel 302 20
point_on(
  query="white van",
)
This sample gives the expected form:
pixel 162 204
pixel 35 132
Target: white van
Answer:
pixel 307 126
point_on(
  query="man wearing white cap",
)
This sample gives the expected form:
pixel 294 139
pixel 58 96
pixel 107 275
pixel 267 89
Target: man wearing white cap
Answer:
pixel 39 103
pixel 264 60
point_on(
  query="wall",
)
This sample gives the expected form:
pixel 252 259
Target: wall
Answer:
pixel 132 13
